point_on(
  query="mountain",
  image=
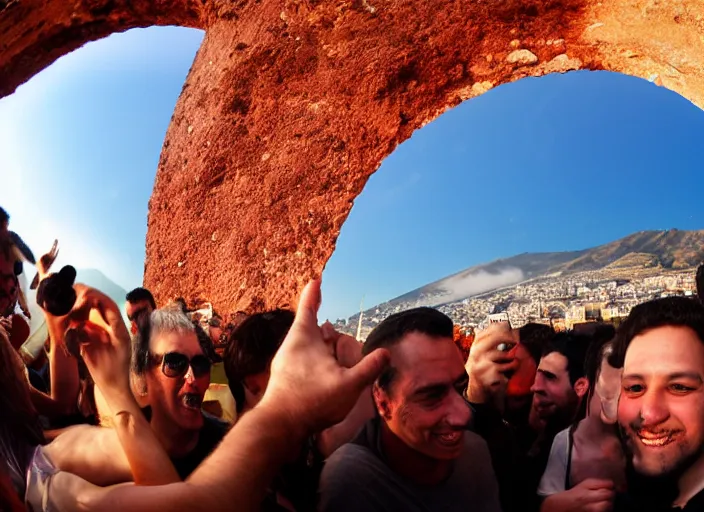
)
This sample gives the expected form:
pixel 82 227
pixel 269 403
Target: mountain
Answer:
pixel 96 279
pixel 671 249
pixel 89 276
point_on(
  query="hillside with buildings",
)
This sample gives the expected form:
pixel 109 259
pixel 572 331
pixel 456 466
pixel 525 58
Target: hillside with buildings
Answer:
pixel 561 288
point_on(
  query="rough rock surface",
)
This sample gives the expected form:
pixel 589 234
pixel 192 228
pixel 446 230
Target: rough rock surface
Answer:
pixel 291 105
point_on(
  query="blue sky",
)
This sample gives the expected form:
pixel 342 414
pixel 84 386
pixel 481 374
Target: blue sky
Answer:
pixel 558 163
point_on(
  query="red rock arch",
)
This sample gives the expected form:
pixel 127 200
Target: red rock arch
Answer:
pixel 291 105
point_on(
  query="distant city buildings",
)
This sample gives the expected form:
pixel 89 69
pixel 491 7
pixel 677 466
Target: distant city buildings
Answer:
pixel 561 301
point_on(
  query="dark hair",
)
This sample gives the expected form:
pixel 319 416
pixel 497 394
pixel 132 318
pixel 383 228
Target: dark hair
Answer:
pixel 700 282
pixel 574 348
pixel 674 311
pixel 601 337
pixel 535 337
pixel 56 294
pixel 182 304
pixel 252 346
pixel 4 216
pixel 141 294
pixel 393 329
pixel 206 344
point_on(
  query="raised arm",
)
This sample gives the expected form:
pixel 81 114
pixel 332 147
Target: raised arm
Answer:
pixel 107 355
pixel 92 453
pixel 308 391
pixel 63 369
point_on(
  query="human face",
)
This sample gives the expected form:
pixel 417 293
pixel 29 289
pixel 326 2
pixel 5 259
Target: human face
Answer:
pixel 661 409
pixel 607 390
pixel 554 398
pixel 8 286
pixel 133 309
pixel 177 399
pixel 424 406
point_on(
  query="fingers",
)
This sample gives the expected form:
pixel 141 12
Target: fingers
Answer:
pixel 307 312
pixel 329 333
pixel 597 483
pixel 365 372
pixel 506 367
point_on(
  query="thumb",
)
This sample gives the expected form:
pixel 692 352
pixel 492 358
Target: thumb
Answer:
pixel 308 304
pixel 365 372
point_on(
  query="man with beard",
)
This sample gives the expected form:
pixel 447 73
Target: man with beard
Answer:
pixel 558 389
pixel 416 455
pixel 661 408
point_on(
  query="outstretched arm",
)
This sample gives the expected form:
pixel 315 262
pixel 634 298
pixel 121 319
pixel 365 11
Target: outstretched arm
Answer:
pixel 92 453
pixel 307 392
pixel 107 356
pixel 131 450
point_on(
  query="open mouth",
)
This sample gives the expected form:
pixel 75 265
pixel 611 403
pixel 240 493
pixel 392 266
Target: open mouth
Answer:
pixel 450 438
pixel 192 401
pixel 656 439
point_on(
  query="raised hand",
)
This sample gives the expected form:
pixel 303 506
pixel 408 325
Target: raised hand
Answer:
pixel 488 367
pixel 308 384
pixel 101 333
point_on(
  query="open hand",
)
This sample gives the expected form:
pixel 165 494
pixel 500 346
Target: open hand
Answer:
pixel 308 385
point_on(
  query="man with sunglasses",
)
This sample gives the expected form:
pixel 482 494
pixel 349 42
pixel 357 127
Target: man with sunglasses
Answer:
pixel 173 374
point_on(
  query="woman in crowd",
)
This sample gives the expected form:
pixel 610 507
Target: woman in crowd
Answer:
pixel 586 461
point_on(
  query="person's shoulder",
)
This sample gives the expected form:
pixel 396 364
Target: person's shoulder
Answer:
pixel 562 436
pixel 561 443
pixel 347 456
pixel 354 478
pixel 353 463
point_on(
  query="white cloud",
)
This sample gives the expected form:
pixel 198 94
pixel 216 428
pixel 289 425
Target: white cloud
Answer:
pixel 462 286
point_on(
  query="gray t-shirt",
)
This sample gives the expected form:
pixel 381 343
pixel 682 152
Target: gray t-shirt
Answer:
pixel 356 478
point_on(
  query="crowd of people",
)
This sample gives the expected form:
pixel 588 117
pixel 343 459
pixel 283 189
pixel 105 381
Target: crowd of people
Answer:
pixel 110 415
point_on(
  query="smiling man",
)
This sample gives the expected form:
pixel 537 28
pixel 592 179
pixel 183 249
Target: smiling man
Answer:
pixel 560 382
pixel 661 409
pixel 416 455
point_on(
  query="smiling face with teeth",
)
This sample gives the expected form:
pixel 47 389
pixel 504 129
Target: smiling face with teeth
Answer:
pixel 423 406
pixel 661 408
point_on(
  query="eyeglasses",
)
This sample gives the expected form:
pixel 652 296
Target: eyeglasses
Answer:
pixel 175 364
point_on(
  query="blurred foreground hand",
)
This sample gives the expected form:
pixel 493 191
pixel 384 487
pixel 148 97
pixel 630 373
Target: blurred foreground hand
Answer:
pixel 308 383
